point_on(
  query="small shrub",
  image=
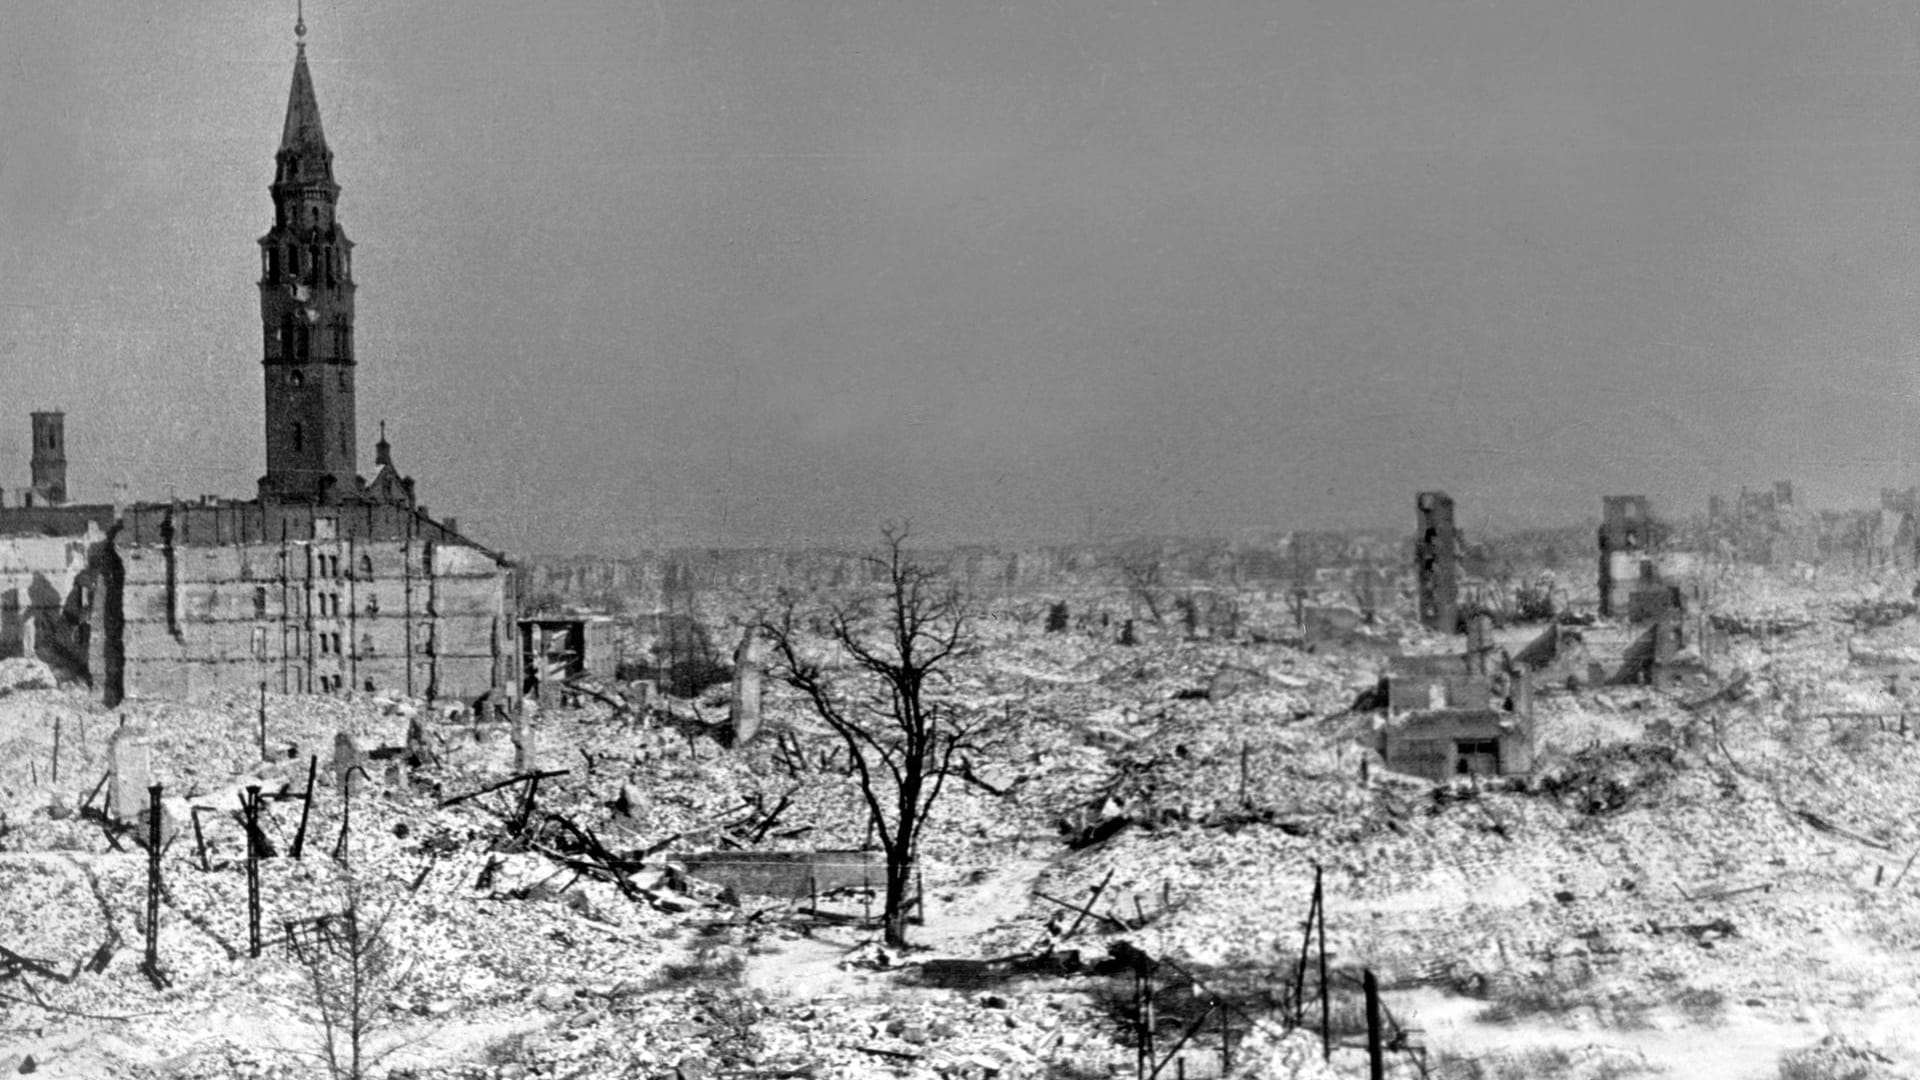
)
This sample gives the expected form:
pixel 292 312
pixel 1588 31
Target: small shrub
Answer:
pixel 732 1018
pixel 1702 1005
pixel 711 964
pixel 1537 1062
pixel 1836 1058
pixel 508 1051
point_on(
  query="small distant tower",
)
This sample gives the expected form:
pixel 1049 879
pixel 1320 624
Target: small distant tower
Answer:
pixel 49 463
pixel 1626 537
pixel 1437 557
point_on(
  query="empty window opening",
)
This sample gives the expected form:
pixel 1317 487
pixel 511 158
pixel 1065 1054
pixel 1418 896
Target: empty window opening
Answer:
pixel 1477 757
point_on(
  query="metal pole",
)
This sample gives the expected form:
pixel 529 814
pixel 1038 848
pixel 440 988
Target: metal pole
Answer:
pixel 306 806
pixel 153 881
pixel 1226 1039
pixel 1146 1032
pixel 346 817
pixel 199 840
pixel 253 870
pixel 1300 969
pixel 1326 1000
pixel 1376 1056
pixel 263 720
pixel 1140 1051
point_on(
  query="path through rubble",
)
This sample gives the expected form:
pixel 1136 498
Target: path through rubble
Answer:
pixel 811 967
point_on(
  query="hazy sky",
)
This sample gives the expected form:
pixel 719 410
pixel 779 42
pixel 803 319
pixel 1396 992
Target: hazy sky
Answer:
pixel 758 273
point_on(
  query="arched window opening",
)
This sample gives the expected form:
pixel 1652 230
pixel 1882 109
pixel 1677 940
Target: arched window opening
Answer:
pixel 299 437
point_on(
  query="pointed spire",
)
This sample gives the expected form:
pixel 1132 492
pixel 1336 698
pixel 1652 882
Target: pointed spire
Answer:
pixel 382 452
pixel 302 134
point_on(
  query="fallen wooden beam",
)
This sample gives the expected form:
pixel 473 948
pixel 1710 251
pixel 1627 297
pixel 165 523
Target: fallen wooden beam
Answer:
pixel 508 782
pixel 1824 825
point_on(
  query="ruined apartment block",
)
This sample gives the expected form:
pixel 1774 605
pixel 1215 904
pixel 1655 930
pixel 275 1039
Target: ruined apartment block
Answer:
pixel 325 582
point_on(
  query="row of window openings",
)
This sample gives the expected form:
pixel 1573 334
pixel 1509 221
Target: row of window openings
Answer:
pixel 330 644
pixel 296 342
pixel 325 605
pixel 328 566
pixel 299 261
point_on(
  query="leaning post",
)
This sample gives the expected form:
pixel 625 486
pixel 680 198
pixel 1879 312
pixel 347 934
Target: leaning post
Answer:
pixel 153 882
pixel 253 871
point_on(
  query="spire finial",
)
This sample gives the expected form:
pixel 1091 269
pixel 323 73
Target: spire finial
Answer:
pixel 383 431
pixel 300 23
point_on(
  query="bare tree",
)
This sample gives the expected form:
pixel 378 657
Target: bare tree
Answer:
pixel 902 737
pixel 353 968
pixel 1142 571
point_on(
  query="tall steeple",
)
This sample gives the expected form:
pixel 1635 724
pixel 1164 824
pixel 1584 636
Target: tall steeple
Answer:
pixel 306 310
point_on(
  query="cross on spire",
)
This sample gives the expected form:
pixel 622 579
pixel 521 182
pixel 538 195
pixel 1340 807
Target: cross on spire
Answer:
pixel 300 23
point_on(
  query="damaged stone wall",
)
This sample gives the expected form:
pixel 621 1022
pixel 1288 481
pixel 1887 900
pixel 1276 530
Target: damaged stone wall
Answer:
pixel 1465 742
pixel 46 601
pixel 322 613
pixel 316 615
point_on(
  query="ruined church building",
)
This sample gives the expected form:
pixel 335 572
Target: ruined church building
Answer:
pixel 324 582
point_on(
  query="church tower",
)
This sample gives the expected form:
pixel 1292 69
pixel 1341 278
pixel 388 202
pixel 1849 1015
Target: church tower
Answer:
pixel 306 310
pixel 49 461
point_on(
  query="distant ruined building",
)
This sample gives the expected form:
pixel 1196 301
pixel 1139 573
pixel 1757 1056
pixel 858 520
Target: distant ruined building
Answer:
pixel 325 581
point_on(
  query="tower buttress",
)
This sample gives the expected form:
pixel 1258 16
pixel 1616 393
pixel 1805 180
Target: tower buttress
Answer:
pixel 306 314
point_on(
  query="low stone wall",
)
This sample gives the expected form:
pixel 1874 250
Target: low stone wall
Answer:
pixel 789 874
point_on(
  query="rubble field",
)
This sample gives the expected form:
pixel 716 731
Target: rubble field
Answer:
pixel 1715 881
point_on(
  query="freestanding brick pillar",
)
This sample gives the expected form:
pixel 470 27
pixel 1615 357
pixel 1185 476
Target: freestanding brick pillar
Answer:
pixel 1437 557
pixel 130 761
pixel 1626 527
pixel 747 661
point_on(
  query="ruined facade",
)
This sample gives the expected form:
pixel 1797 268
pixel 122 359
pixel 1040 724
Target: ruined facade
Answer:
pixel 1765 527
pixel 557 649
pixel 1446 718
pixel 325 581
pixel 1626 546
